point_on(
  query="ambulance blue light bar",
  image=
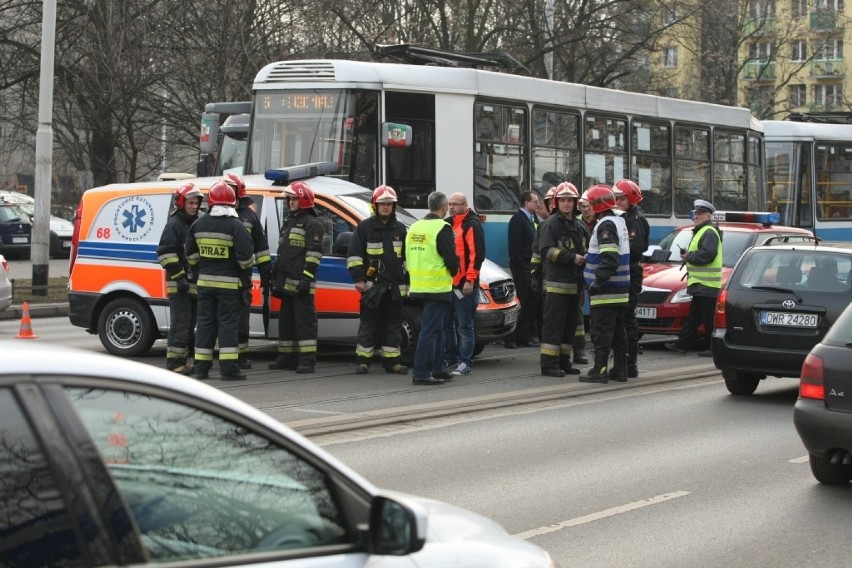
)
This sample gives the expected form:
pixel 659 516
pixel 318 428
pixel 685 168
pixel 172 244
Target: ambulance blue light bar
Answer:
pixel 763 217
pixel 292 173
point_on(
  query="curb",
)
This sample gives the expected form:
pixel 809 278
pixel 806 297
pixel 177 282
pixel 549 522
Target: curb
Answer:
pixel 36 311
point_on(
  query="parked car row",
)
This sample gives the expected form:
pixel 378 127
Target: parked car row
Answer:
pixel 20 234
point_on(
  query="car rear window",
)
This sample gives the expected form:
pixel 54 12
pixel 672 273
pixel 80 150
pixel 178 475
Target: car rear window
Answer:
pixel 814 271
pixel 841 332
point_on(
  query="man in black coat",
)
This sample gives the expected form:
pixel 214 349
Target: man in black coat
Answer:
pixel 522 230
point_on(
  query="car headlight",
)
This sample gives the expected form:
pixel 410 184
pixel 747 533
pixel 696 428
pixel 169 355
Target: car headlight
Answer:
pixel 681 296
pixel 483 297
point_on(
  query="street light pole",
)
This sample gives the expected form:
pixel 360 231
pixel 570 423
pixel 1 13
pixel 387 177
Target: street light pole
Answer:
pixel 40 249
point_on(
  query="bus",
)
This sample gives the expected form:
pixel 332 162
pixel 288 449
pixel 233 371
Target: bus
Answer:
pixel 809 176
pixel 493 135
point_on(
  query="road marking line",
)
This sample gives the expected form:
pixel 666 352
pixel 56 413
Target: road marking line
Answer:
pixel 802 459
pixel 601 515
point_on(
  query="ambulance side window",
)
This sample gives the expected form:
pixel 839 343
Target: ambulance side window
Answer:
pixel 333 225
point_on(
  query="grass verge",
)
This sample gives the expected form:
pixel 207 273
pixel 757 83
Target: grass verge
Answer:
pixel 57 291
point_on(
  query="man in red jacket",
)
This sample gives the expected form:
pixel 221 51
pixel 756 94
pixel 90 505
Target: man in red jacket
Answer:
pixel 470 249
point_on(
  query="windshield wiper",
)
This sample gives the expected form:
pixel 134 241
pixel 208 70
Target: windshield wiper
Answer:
pixel 777 289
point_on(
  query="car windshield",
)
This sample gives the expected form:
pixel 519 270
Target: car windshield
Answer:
pixel 841 332
pixel 361 203
pixel 733 245
pixel 807 270
pixel 13 214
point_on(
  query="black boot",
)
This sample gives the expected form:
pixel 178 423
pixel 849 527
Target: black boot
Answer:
pixel 632 366
pixel 552 371
pixel 306 364
pixel 595 375
pixel 567 367
pixel 618 372
pixel 284 362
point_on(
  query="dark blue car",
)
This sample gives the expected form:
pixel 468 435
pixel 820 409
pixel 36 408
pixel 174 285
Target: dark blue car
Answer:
pixel 15 230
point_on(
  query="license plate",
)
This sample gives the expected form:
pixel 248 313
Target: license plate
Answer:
pixel 510 317
pixel 646 313
pixel 20 240
pixel 786 319
pixel 66 244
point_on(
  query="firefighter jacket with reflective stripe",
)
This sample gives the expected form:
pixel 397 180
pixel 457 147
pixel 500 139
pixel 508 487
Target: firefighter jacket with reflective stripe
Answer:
pixel 299 251
pixel 431 259
pixel 560 240
pixel 262 257
pixel 608 262
pixel 638 230
pixel 377 251
pixel 704 261
pixel 470 247
pixel 221 248
pixel 171 252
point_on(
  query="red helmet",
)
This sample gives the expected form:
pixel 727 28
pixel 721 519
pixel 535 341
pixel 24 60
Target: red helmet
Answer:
pixel 236 183
pixel 221 194
pixel 601 197
pixel 303 192
pixel 566 189
pixel 184 192
pixel 630 189
pixel 384 194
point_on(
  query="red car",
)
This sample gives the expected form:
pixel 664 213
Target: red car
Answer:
pixel 664 303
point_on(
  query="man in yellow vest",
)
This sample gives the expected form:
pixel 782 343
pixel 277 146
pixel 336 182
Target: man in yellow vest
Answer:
pixel 703 260
pixel 431 262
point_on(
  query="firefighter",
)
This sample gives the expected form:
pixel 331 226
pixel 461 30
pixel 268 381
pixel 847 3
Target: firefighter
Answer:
pixel 607 275
pixel 180 278
pixel 627 198
pixel 562 252
pixel 376 260
pixel 262 260
pixel 219 245
pixel 299 254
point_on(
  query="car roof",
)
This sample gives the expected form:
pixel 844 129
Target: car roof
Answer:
pixel 21 359
pixel 750 227
pixel 839 248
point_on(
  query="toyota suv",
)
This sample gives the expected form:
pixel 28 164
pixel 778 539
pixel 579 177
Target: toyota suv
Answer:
pixel 779 301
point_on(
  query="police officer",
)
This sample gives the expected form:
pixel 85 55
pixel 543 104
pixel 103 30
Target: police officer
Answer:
pixel 219 245
pixel 607 275
pixel 376 262
pixel 562 253
pixel 703 260
pixel 299 254
pixel 180 278
pixel 262 260
pixel 627 198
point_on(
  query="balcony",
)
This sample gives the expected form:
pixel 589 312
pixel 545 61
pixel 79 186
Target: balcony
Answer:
pixel 828 68
pixel 827 106
pixel 825 21
pixel 759 26
pixel 757 70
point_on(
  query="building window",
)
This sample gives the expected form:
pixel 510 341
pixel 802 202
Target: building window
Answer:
pixel 799 8
pixel 829 49
pixel 828 96
pixel 797 95
pixel 799 50
pixel 669 14
pixel 761 51
pixel 835 6
pixel 670 57
pixel 761 100
pixel 760 10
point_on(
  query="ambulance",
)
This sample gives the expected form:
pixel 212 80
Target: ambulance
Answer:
pixel 117 289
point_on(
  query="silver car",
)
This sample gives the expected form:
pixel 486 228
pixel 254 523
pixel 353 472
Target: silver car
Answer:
pixel 5 285
pixel 111 462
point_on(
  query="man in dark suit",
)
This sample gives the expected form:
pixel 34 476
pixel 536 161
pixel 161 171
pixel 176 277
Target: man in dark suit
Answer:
pixel 522 231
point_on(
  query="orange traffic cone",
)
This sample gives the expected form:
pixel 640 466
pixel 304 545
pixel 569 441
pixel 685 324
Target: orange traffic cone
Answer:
pixel 26 325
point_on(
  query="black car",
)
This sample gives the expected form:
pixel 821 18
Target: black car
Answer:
pixel 823 413
pixel 779 301
pixel 15 230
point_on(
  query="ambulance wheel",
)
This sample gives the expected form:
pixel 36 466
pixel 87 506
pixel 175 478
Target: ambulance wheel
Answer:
pixel 410 331
pixel 126 327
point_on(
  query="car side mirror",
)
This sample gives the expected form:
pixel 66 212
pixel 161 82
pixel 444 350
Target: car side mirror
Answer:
pixel 656 254
pixel 396 528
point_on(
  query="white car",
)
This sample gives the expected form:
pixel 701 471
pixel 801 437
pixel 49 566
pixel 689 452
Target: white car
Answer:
pixel 5 285
pixel 111 462
pixel 61 230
